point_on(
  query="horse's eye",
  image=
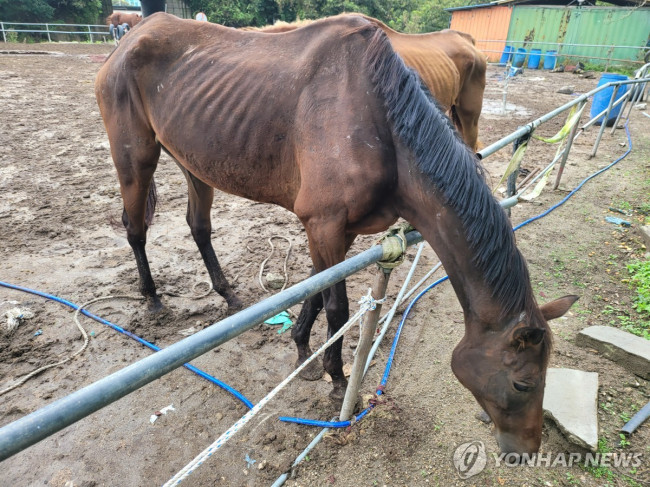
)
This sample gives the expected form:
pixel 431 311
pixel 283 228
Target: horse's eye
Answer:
pixel 522 387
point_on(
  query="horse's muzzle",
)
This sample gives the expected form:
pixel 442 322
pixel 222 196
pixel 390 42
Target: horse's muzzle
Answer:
pixel 516 450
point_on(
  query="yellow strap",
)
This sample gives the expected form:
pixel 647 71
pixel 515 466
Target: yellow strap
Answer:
pixel 513 164
pixel 571 120
pixel 393 244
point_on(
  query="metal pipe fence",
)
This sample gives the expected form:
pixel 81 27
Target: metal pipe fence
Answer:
pixel 40 424
pixel 92 33
pixel 531 126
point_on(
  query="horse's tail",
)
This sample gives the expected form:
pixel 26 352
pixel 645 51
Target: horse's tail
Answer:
pixel 152 198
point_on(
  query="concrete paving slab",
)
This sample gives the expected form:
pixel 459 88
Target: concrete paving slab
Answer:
pixel 644 232
pixel 629 351
pixel 571 400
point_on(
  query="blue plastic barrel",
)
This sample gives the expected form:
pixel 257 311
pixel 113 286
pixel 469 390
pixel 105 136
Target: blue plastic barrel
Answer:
pixel 533 59
pixel 550 57
pixel 505 57
pixel 601 99
pixel 519 57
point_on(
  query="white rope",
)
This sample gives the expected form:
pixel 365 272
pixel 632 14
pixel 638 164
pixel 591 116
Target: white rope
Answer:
pixel 286 259
pixel 371 303
pixel 81 350
pixel 85 335
pixel 367 303
pixel 195 295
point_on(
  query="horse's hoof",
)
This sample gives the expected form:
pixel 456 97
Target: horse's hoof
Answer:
pixel 338 393
pixel 313 371
pixel 235 305
pixel 154 305
pixel 484 417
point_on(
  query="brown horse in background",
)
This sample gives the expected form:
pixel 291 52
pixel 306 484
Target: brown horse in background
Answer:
pixel 447 61
pixel 121 18
pixel 327 122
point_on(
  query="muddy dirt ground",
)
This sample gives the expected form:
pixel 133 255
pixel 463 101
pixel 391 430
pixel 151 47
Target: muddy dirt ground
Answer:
pixel 60 233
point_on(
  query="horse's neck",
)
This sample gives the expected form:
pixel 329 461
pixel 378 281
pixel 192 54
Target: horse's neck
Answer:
pixel 442 229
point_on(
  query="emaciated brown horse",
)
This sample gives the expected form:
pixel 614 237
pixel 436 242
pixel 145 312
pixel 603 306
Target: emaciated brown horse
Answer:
pixel 327 122
pixel 449 64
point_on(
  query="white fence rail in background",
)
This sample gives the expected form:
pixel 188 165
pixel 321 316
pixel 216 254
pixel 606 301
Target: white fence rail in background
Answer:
pixel 53 32
pixel 101 33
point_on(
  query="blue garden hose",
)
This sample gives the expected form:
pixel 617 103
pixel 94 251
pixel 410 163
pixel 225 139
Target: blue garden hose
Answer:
pixel 389 363
pixel 199 372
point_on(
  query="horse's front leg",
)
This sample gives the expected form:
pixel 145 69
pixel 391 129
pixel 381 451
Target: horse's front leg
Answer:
pixel 328 246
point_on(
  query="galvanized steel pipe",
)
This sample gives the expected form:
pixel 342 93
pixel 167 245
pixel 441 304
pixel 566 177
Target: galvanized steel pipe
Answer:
pixel 40 424
pixel 528 128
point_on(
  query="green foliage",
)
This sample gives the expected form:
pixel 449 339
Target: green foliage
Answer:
pixel 12 36
pixel 26 11
pixel 237 13
pixel 622 319
pixel 640 280
pixel 422 15
pixel 411 16
pixel 601 472
pixel 40 11
pixel 623 442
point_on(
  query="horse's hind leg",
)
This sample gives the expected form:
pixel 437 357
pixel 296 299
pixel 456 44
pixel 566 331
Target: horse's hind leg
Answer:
pixel 135 164
pixel 199 203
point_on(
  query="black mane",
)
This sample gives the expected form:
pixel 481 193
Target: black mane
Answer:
pixel 456 174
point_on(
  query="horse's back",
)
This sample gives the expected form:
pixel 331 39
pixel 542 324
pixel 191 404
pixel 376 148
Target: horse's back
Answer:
pixel 437 70
pixel 228 103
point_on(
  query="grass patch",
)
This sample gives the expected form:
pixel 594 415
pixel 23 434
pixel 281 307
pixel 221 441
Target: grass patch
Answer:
pixel 640 281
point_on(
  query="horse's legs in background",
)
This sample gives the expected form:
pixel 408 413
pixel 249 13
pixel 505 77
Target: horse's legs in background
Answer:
pixel 301 333
pixel 337 309
pixel 199 203
pixel 136 164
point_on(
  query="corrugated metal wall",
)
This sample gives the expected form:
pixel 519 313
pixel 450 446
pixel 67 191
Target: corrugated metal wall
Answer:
pixel 604 26
pixel 485 24
pixel 525 26
pixel 179 9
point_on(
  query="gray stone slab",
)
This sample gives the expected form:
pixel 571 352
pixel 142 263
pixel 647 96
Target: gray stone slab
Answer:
pixel 644 232
pixel 571 400
pixel 629 351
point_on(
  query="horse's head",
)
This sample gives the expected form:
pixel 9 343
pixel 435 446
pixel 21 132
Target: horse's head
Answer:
pixel 505 369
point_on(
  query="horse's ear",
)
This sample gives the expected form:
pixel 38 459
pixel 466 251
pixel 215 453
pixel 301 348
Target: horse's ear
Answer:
pixel 526 336
pixel 557 308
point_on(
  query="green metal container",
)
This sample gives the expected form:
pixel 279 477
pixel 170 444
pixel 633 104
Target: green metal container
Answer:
pixel 544 27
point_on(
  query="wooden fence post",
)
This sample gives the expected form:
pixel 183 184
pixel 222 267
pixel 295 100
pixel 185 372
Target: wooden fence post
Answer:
pixel 369 326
